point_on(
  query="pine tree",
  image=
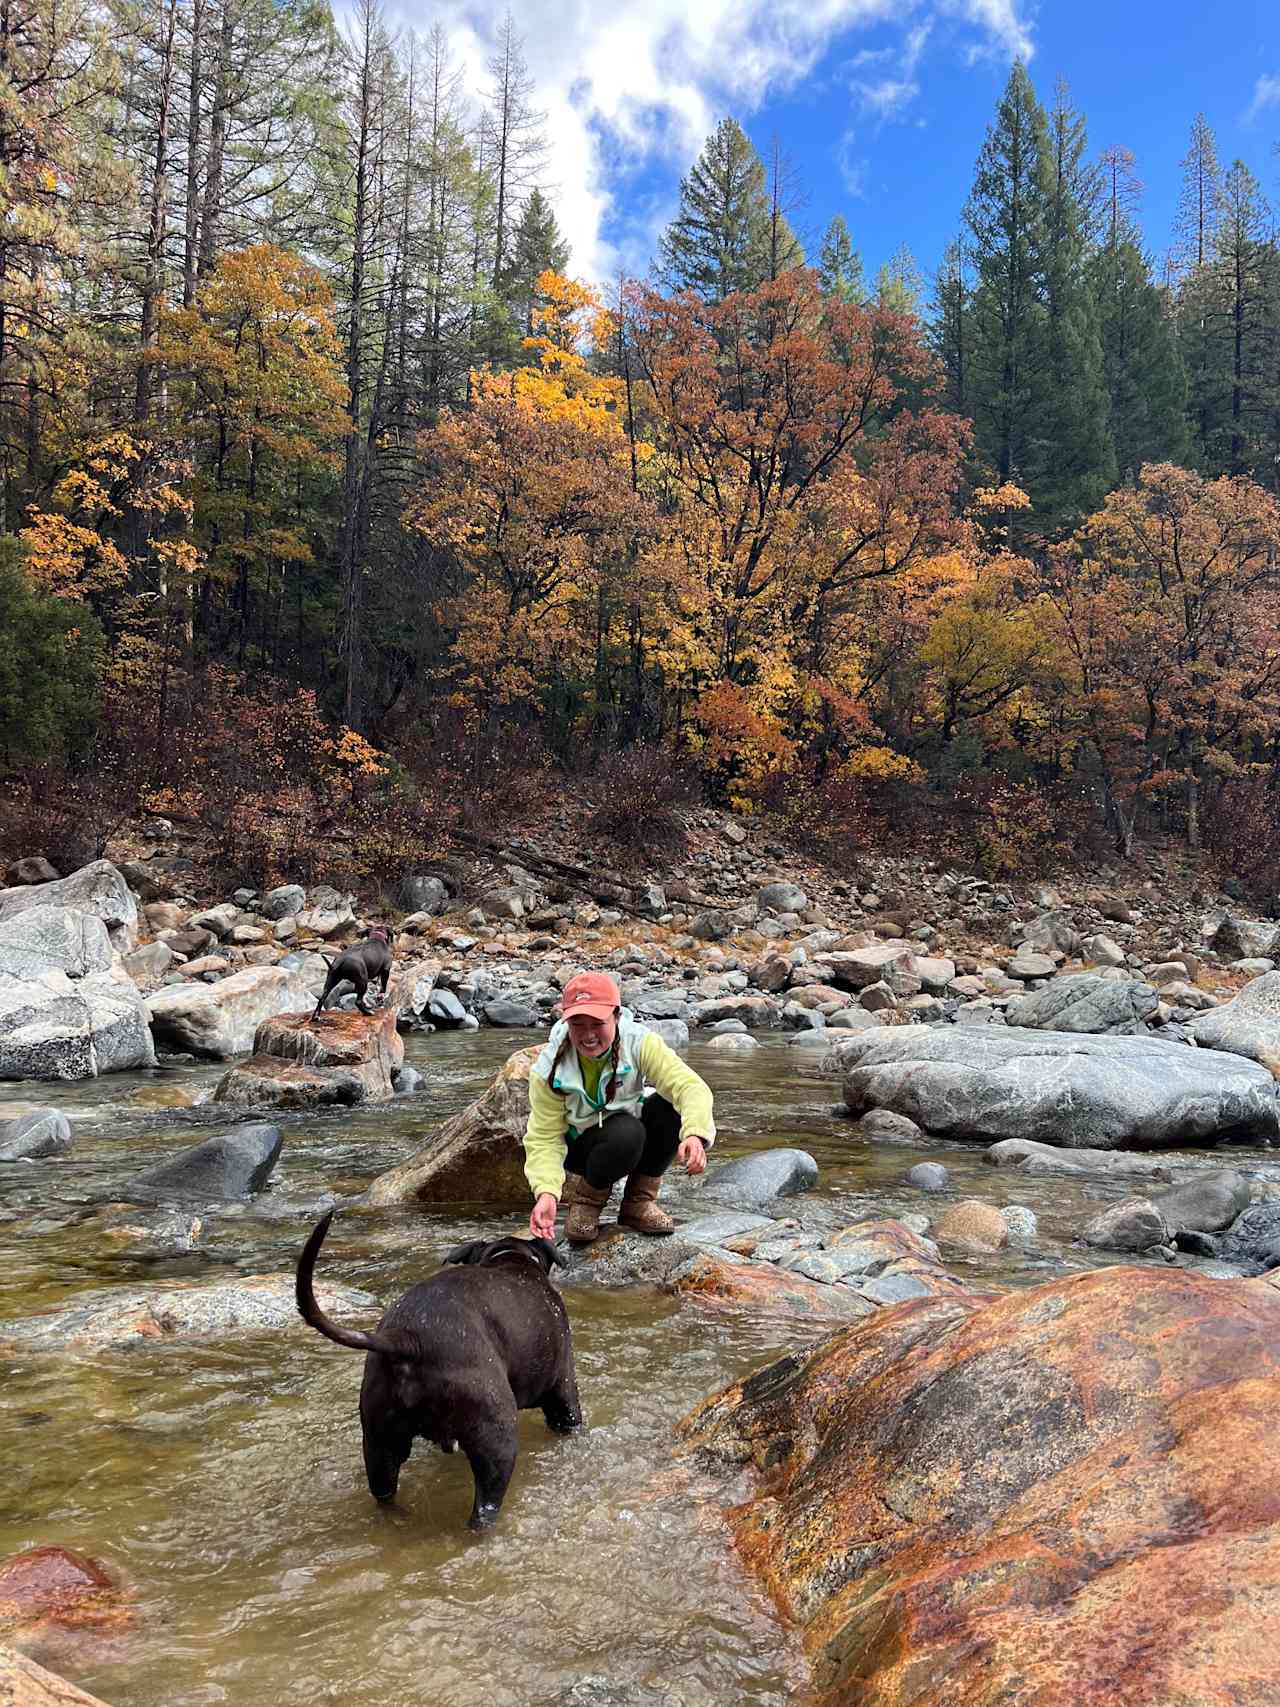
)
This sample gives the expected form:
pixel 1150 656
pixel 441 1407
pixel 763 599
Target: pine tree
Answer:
pixel 536 248
pixel 900 283
pixel 1037 397
pixel 840 264
pixel 1081 466
pixel 1198 200
pixel 951 326
pixel 726 235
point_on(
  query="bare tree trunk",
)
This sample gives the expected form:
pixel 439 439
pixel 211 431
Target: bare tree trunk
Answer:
pixel 153 275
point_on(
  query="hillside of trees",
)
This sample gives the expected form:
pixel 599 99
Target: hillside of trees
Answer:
pixel 329 498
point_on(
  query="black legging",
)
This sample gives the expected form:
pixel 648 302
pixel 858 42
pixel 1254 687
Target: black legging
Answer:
pixel 623 1145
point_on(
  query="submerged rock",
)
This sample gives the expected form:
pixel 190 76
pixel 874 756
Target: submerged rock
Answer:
pixel 42 1132
pixel 23 1683
pixel 119 1316
pixel 52 1588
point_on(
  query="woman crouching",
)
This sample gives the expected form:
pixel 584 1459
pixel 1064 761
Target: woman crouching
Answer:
pixel 608 1100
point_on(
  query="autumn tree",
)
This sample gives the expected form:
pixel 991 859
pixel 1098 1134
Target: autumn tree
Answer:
pixel 1168 601
pixel 781 445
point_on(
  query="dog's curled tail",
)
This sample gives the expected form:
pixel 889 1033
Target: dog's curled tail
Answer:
pixel 311 1312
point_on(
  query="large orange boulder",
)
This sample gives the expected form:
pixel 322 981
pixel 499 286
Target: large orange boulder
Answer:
pixel 1065 1497
pixel 307 1060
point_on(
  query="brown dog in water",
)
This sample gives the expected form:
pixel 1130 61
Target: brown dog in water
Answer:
pixel 456 1357
pixel 367 963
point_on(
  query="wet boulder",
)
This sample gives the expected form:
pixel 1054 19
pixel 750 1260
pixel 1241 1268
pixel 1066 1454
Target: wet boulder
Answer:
pixel 1029 1499
pixel 478 1156
pixel 994 1082
pixel 1133 1225
pixel 1040 1159
pixel 764 1290
pixel 749 1182
pixel 1208 1203
pixel 231 1166
pixel 1253 1238
pixel 307 1061
pixel 32 1136
pixel 972 1225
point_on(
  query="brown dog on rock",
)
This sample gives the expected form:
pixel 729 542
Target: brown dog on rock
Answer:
pixel 456 1357
pixel 366 963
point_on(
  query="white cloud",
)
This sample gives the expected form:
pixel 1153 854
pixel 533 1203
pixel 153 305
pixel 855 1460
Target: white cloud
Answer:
pixel 1266 93
pixel 629 83
pixel 888 95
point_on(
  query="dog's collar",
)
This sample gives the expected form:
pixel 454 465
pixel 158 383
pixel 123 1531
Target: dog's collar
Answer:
pixel 523 1256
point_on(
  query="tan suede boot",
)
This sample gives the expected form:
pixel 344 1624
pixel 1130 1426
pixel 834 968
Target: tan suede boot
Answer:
pixel 583 1224
pixel 640 1206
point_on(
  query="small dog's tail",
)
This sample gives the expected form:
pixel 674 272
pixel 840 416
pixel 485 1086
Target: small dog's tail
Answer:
pixel 311 1312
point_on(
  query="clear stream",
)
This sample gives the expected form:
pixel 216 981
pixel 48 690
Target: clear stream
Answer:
pixel 222 1482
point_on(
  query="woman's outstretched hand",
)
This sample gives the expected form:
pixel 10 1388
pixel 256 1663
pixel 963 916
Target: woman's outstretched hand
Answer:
pixel 692 1153
pixel 542 1222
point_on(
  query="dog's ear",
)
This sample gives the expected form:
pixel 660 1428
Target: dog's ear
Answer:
pixel 549 1252
pixel 473 1251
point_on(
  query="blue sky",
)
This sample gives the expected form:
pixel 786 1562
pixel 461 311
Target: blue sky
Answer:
pixel 881 105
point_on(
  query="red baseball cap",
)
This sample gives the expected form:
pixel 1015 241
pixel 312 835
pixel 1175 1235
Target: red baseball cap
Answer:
pixel 593 993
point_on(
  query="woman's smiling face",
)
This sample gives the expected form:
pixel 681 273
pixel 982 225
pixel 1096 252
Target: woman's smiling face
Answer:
pixel 591 1035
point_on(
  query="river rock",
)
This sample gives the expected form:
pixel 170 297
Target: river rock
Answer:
pixel 97 888
pixel 215 1021
pixel 33 869
pixel 891 963
pixel 757 1013
pixel 120 1316
pixel 1249 1024
pixel 1039 1159
pixel 1206 1204
pixel 478 1156
pixel 1253 1239
pixel 1085 1002
pixel 306 1061
pixel 23 1683
pixel 1032 1499
pixel 1056 1087
pixel 749 1182
pixel 63 938
pixel 975 1225
pixel 445 1009
pixel 673 1032
pixel 882 1126
pixel 734 1043
pixel 47 1589
pixel 284 902
pixel 783 898
pixel 511 1013
pixel 231 1166
pixel 1133 1225
pixel 761 1289
pixel 55 1027
pixel 42 1132
pixel 928 1176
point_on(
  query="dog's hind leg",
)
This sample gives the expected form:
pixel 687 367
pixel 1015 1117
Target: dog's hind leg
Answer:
pixel 560 1404
pixel 385 1451
pixel 490 1445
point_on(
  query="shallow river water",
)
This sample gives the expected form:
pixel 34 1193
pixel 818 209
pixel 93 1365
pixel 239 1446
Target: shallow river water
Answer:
pixel 222 1482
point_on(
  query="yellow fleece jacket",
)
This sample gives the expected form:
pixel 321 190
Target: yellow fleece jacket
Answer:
pixel 545 1139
